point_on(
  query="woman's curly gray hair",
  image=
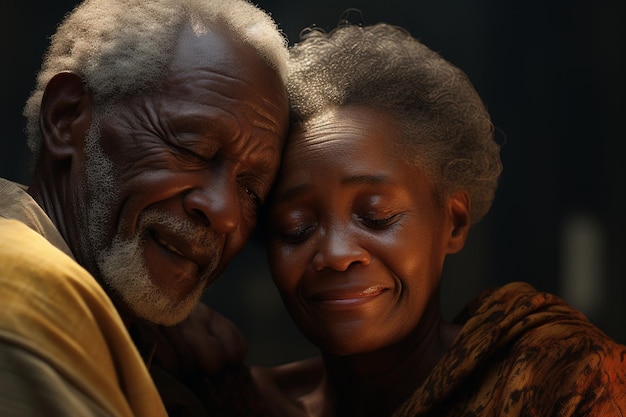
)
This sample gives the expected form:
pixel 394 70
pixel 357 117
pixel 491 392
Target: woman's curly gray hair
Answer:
pixel 447 129
pixel 123 47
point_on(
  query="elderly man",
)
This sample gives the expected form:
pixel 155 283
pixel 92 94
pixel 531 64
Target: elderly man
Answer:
pixel 156 128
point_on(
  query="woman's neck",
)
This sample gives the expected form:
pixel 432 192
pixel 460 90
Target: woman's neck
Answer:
pixel 375 384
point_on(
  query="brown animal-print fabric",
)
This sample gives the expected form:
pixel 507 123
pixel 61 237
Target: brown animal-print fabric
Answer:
pixel 524 353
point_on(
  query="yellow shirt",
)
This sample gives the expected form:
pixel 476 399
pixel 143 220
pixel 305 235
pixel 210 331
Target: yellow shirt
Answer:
pixel 64 350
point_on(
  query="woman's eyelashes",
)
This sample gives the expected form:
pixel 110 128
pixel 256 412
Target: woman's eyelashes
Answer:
pixel 295 234
pixel 377 222
pixel 301 231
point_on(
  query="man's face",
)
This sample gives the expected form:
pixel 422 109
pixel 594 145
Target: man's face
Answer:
pixel 177 182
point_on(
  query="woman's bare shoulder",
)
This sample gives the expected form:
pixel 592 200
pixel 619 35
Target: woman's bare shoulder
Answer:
pixel 290 387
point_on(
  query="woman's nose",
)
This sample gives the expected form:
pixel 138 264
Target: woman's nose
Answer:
pixel 339 249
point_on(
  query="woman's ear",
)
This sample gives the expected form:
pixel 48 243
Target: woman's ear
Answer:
pixel 65 116
pixel 458 207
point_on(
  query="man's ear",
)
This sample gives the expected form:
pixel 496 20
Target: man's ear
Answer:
pixel 66 115
pixel 458 208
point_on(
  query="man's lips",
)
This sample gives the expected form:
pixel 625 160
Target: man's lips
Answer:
pixel 167 245
pixel 181 247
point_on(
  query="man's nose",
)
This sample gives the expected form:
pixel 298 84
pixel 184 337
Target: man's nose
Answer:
pixel 215 202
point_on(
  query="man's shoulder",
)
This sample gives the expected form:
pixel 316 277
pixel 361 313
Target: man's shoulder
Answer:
pixel 55 317
pixel 16 203
pixel 41 283
pixel 23 250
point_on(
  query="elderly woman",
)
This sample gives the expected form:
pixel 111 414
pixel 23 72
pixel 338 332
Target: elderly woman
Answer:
pixel 391 159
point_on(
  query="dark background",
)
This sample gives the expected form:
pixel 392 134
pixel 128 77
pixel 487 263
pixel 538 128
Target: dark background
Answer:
pixel 552 74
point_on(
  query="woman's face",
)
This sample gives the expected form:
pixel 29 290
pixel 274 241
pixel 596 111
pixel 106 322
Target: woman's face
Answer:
pixel 358 238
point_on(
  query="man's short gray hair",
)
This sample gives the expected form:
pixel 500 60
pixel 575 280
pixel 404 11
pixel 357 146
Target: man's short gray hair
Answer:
pixel 124 47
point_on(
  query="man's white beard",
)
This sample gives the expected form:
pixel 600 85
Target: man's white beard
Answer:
pixel 121 265
pixel 123 269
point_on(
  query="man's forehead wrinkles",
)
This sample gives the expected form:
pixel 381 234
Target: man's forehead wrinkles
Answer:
pixel 211 85
pixel 207 75
pixel 222 85
pixel 265 121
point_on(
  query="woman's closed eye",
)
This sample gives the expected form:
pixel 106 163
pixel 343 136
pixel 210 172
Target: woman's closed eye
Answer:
pixel 376 222
pixel 294 234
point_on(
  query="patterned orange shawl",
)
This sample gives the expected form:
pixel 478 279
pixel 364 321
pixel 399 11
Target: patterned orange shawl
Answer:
pixel 524 353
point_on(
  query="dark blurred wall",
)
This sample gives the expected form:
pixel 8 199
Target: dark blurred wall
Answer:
pixel 552 75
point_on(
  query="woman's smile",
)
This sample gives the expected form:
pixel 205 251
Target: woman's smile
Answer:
pixel 350 297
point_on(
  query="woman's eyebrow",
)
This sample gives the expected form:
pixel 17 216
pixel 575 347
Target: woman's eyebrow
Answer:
pixel 300 189
pixel 364 179
pixel 291 193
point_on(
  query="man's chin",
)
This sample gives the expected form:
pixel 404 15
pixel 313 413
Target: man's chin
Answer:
pixel 159 308
pixel 167 318
pixel 124 273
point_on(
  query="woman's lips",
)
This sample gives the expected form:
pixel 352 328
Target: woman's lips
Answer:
pixel 348 297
